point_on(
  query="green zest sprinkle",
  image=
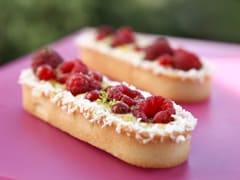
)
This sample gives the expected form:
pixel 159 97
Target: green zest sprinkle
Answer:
pixel 129 118
pixel 57 84
pixel 104 99
pixel 113 102
pixel 103 96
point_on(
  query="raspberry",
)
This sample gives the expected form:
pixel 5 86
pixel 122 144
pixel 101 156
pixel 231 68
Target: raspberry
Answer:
pixel 95 75
pixel 93 95
pixel 153 105
pixel 139 97
pixel 46 56
pixel 138 111
pixel 128 100
pixel 94 85
pixel 62 77
pixel 165 60
pixel 123 36
pixel 77 84
pixel 154 109
pixel 66 67
pixel 129 92
pixel 103 32
pixel 124 94
pixel 120 108
pixel 64 71
pixel 79 66
pixel 185 60
pixel 45 72
pixel 114 93
pixel 74 66
pixel 137 48
pixel 158 48
pixel 124 89
pixel 162 117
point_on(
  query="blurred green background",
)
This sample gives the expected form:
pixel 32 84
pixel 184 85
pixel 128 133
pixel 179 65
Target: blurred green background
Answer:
pixel 29 24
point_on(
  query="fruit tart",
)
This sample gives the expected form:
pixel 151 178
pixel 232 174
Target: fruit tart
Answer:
pixel 150 63
pixel 139 128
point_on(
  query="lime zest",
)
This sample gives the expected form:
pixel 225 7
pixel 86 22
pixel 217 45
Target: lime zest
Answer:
pixel 57 84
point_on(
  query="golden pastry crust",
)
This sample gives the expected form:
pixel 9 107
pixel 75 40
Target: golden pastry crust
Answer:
pixel 154 154
pixel 171 86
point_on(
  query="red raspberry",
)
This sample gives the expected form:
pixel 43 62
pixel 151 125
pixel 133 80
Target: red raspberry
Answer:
pixel 93 95
pixel 168 105
pixel 95 75
pixel 46 56
pixel 165 60
pixel 138 111
pixel 153 105
pixel 94 85
pixel 124 89
pixel 79 67
pixel 154 109
pixel 120 108
pixel 128 100
pixel 158 48
pixel 66 67
pixel 64 71
pixel 138 48
pixel 74 66
pixel 45 72
pixel 77 84
pixel 124 94
pixel 129 92
pixel 162 117
pixel 114 93
pixel 62 77
pixel 124 35
pixel 139 97
pixel 103 32
pixel 185 60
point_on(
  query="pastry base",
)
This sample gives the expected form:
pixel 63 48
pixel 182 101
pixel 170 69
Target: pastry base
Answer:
pixel 127 148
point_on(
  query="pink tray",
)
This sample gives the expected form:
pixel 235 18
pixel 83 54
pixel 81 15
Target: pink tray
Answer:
pixel 31 149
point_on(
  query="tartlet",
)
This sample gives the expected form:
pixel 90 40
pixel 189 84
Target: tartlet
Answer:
pixel 139 128
pixel 149 63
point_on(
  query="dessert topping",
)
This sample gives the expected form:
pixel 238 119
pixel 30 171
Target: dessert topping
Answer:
pixel 124 94
pixel 65 69
pixel 46 56
pixel 119 98
pixel 165 60
pixel 103 32
pixel 185 60
pixel 160 49
pixel 96 76
pixel 45 72
pixel 155 109
pixel 77 84
pixel 120 108
pixel 157 48
pixel 123 36
pixel 93 95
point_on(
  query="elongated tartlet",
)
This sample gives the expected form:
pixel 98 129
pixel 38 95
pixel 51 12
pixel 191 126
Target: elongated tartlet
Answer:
pixel 132 125
pixel 149 63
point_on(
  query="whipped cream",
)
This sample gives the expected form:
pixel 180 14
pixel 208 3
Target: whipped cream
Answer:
pixel 126 53
pixel 183 120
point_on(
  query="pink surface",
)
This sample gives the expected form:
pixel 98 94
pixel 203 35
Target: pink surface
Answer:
pixel 31 149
